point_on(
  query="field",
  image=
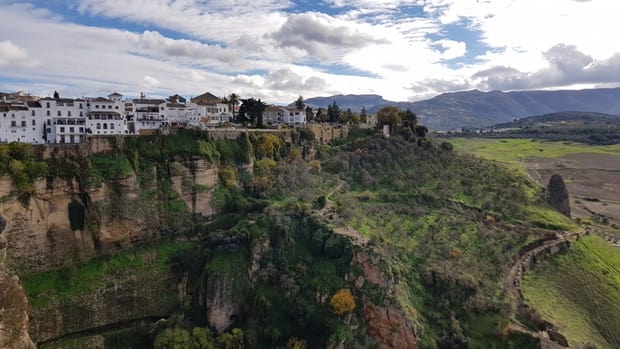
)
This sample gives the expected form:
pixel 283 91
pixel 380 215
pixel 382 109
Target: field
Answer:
pixel 579 290
pixel 590 270
pixel 591 173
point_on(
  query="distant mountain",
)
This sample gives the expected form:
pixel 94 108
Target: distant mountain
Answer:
pixel 563 118
pixel 476 108
pixel 355 102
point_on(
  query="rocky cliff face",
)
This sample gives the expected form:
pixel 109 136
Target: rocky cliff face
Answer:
pixel 125 299
pixel 13 314
pixel 63 223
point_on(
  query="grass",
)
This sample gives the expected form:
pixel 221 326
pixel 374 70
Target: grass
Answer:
pixel 62 284
pixel 513 152
pixel 580 292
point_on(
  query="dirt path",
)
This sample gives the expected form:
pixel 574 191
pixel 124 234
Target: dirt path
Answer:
pixel 527 258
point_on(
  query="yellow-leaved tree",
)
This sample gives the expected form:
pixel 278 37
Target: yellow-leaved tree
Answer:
pixel 342 302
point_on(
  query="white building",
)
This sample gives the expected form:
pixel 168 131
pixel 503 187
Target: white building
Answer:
pixel 273 115
pixel 148 115
pixel 106 116
pixel 22 122
pixel 65 120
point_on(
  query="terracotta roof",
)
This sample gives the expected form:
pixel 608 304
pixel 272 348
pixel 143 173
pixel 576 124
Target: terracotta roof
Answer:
pixel 175 105
pixel 32 104
pixel 272 108
pixel 115 94
pixel 206 97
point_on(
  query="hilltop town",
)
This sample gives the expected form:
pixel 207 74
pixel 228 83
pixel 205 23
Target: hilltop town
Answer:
pixel 55 120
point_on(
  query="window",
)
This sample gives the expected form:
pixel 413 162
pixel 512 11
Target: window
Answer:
pixel 111 126
pixel 80 107
pixel 49 130
pixel 109 107
pixel 96 106
pixel 71 129
pixel 48 113
pixel 34 122
pixel 81 129
pixel 81 114
pixel 69 113
pixel 116 107
pixel 13 123
pixel 59 114
pixel 23 123
pixel 32 113
pixel 47 105
pixel 105 126
pixel 62 129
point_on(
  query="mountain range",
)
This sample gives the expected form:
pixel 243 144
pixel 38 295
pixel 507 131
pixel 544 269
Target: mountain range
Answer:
pixel 568 118
pixel 478 109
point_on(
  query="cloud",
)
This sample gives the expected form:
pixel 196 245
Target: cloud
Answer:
pixel 154 42
pixel 11 54
pixel 566 66
pixel 149 82
pixel 286 79
pixel 322 36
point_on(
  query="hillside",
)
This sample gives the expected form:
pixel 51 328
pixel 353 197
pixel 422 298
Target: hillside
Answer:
pixel 476 109
pixel 371 242
pixel 575 291
pixel 355 102
pixel 565 118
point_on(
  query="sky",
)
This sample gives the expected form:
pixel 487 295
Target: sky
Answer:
pixel 276 50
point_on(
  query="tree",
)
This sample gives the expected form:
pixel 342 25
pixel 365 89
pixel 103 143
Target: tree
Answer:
pixel 333 112
pixel 410 120
pixel 232 340
pixel 342 302
pixel 309 114
pixel 56 95
pixel 363 115
pixel 299 103
pixel 321 116
pixel 178 338
pixel 252 110
pixel 233 101
pixel 388 116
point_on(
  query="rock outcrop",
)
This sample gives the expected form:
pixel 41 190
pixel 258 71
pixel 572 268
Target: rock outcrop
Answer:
pixel 13 314
pixel 557 195
pixel 386 323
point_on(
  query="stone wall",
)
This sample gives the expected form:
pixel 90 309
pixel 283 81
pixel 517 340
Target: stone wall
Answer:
pixel 325 133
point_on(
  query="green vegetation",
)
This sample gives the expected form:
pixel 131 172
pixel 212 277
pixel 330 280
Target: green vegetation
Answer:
pixel 513 152
pixel 18 161
pixel 62 284
pixel 579 291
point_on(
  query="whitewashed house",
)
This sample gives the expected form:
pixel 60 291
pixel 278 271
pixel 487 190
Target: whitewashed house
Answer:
pixel 106 116
pixel 22 122
pixel 149 115
pixel 65 120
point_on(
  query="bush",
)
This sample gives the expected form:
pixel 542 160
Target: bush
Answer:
pixel 342 302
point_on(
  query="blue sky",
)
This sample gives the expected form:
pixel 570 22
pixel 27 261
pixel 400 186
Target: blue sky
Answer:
pixel 279 49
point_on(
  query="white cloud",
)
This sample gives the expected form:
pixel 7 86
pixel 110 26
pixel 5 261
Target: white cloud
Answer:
pixel 259 49
pixel 11 54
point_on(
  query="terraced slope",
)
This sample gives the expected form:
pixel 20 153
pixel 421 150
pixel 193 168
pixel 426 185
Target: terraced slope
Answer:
pixel 579 291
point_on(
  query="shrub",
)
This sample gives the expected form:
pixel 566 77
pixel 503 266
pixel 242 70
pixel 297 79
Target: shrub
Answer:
pixel 342 302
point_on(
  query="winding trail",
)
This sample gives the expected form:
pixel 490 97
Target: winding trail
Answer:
pixel 527 257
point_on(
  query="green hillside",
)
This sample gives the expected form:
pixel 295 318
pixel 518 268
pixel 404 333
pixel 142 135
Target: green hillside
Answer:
pixel 579 291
